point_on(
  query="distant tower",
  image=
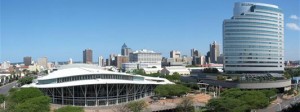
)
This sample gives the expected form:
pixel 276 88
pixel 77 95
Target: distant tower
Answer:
pixel 125 51
pixel 70 61
pixel 192 52
pixel 175 54
pixel 214 52
pixel 88 56
pixel 27 60
pixel 100 61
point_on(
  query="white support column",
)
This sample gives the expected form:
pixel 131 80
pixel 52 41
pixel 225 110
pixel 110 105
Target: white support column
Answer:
pixel 85 91
pixel 62 96
pixel 106 94
pixel 73 97
pixel 96 93
pixel 53 95
pixel 126 93
pixel 117 102
pixel 145 90
pixel 134 92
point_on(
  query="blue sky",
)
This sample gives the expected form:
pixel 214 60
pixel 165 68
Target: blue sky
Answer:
pixel 62 29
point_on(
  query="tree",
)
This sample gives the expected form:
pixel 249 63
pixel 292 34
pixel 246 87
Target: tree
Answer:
pixel 18 96
pixel 25 80
pixel 227 105
pixel 24 94
pixel 2 98
pixel 186 105
pixel 175 77
pixel 37 104
pixel 70 109
pixel 171 90
pixel 236 100
pixel 287 75
pixel 136 106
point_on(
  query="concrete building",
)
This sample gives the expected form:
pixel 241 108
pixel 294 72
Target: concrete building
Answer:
pixel 43 62
pixel 220 59
pixel 175 54
pixel 5 65
pixel 100 61
pixel 253 39
pixel 142 59
pixel 133 66
pixel 125 51
pixel 151 70
pixel 119 60
pixel 182 70
pixel 27 60
pixel 88 56
pixel 145 56
pixel 195 52
pixel 207 58
pixel 214 52
pixel 199 60
pixel 107 62
pixel 70 61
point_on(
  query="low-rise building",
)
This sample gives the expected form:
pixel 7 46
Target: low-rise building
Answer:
pixel 151 70
pixel 171 70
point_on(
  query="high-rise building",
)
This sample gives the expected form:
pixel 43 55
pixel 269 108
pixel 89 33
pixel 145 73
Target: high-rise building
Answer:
pixel 70 61
pixel 27 60
pixel 43 61
pixel 207 57
pixel 88 56
pixel 145 56
pixel 253 39
pixel 125 51
pixel 220 59
pixel 107 62
pixel 119 60
pixel 100 61
pixel 195 52
pixel 214 52
pixel 175 54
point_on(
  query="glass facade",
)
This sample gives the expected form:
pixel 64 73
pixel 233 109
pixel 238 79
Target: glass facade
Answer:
pixel 98 95
pixel 253 39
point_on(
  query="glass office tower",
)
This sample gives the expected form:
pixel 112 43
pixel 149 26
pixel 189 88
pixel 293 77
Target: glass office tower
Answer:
pixel 253 39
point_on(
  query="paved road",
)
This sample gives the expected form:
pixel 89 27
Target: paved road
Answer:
pixel 282 105
pixel 5 88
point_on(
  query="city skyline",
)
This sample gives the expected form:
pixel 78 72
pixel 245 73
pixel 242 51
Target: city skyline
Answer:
pixel 60 30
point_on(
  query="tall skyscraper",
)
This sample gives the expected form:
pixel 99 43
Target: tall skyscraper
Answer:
pixel 214 52
pixel 175 54
pixel 100 61
pixel 70 61
pixel 27 60
pixel 88 56
pixel 207 57
pixel 192 52
pixel 253 39
pixel 125 51
pixel 195 52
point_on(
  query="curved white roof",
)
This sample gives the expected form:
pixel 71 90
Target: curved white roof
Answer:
pixel 93 81
pixel 67 72
pixel 76 71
